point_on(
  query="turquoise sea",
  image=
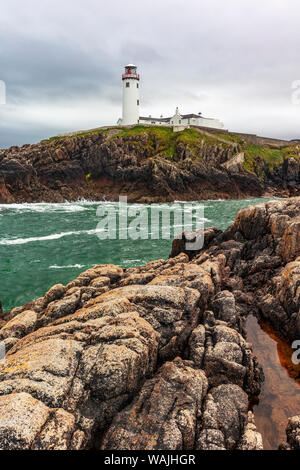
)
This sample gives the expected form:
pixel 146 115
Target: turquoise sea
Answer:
pixel 45 244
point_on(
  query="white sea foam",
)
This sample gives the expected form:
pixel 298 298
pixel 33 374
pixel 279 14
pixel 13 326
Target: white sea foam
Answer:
pixel 44 207
pixel 70 266
pixel 55 236
pixel 22 241
pixel 134 262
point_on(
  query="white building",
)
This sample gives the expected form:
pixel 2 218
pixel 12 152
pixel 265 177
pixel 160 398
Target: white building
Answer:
pixel 131 108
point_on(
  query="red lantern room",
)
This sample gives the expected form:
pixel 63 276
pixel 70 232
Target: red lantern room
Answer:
pixel 130 72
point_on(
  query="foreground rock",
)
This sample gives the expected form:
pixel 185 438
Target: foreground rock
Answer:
pixel 154 357
pixel 293 434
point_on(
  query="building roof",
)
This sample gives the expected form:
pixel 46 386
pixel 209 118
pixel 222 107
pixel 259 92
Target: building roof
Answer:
pixel 155 119
pixel 168 119
pixel 189 116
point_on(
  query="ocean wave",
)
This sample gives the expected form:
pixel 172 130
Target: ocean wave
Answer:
pixel 134 262
pixel 55 236
pixel 22 241
pixel 69 266
pixel 43 207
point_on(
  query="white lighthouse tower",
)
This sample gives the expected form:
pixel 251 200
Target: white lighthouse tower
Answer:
pixel 131 96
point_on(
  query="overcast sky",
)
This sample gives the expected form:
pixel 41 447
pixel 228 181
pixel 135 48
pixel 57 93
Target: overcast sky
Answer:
pixel 233 60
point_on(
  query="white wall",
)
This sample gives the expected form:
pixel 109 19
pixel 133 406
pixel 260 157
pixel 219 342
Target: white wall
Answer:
pixel 201 122
pixel 131 96
pixel 213 123
pixel 153 123
pixel 177 120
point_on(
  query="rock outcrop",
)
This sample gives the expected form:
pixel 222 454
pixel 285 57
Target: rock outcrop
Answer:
pixel 154 357
pixel 293 434
pixel 147 165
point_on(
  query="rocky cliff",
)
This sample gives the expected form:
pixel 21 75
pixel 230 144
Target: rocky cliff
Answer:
pixel 148 165
pixel 155 357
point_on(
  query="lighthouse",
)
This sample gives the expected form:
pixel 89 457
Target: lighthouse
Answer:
pixel 131 96
pixel 131 109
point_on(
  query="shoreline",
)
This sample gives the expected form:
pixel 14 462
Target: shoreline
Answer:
pixel 95 201
pixel 134 199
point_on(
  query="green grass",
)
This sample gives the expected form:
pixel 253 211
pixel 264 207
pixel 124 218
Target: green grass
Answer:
pixel 153 141
pixel 162 141
pixel 232 138
pixel 193 137
pixel 164 134
pixel 272 157
pixel 63 138
pixel 50 140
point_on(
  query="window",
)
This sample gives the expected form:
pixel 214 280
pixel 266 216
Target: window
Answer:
pixel 127 84
pixel 137 85
pixel 179 121
pixel 138 102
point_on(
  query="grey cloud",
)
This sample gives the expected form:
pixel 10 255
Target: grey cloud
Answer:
pixel 38 68
pixel 233 60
